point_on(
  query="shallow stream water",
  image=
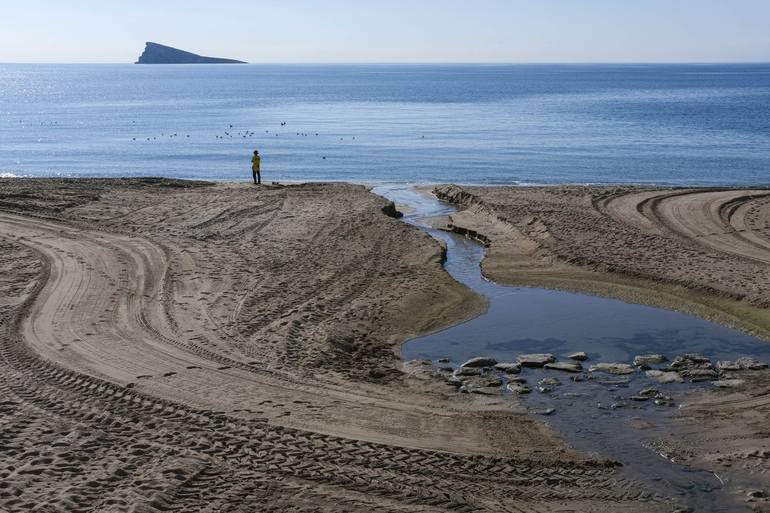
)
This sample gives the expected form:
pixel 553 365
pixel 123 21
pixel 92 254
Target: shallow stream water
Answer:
pixel 592 412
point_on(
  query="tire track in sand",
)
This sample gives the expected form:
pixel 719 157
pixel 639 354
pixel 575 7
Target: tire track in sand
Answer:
pixel 75 418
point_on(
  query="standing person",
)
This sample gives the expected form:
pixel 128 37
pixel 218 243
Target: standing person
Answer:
pixel 255 168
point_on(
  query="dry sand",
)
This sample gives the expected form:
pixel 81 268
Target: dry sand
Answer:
pixel 703 251
pixel 184 346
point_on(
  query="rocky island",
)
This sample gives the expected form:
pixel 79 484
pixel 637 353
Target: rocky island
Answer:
pixel 155 53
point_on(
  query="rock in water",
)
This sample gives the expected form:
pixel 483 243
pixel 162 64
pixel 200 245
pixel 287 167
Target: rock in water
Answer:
pixel 664 377
pixel 536 360
pixel 749 363
pixel 648 359
pixel 468 371
pixel 745 363
pixel 691 360
pixel 549 382
pixel 725 365
pixel 612 368
pixel 728 383
pixel 580 356
pixel 648 392
pixel 480 361
pixel 518 388
pixel 565 366
pixel 694 367
pixel 155 53
pixel 702 374
pixel 509 368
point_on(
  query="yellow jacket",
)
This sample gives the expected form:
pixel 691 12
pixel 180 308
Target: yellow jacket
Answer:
pixel 255 163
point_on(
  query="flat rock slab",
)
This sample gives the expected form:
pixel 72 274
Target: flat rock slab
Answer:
pixel 480 361
pixel 565 366
pixel 745 363
pixel 648 359
pixel 579 356
pixel 518 388
pixel 485 390
pixel 691 360
pixel 509 368
pixel 700 374
pixel 468 371
pixel 748 363
pixel 612 368
pixel 664 377
pixel 728 366
pixel 536 359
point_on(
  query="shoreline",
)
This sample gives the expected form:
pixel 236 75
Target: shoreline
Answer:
pixel 419 184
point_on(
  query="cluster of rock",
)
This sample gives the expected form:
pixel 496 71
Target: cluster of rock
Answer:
pixel 696 368
pixel 485 375
pixel 481 375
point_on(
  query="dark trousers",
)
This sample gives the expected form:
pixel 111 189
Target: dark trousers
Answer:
pixel 257 177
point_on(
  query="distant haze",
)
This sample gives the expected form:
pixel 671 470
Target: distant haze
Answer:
pixel 327 31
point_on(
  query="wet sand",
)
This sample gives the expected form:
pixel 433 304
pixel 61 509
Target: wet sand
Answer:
pixel 186 346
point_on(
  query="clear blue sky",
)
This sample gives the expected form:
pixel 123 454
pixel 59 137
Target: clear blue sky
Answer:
pixel 390 31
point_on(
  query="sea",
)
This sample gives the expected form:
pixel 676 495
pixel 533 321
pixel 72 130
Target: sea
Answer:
pixel 673 124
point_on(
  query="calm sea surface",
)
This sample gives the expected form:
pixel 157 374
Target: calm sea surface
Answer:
pixel 667 124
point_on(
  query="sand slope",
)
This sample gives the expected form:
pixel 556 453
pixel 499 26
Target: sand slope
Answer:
pixel 182 346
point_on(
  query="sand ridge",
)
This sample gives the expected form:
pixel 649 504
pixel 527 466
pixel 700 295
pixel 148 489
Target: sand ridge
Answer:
pixel 184 346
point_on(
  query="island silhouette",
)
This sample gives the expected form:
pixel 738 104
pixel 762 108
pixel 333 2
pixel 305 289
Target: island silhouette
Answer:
pixel 155 53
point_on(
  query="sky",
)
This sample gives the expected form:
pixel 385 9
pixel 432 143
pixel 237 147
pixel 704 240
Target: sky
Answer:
pixel 403 31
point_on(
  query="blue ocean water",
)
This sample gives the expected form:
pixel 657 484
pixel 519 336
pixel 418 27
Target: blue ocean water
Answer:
pixel 667 124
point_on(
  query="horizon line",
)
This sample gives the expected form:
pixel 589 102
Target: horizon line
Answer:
pixel 416 63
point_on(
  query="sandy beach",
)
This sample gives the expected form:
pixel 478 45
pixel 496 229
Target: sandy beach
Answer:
pixel 188 346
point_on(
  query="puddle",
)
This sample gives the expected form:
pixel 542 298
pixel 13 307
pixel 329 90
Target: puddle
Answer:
pixel 592 415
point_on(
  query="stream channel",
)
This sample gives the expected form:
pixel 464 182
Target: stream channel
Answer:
pixel 592 415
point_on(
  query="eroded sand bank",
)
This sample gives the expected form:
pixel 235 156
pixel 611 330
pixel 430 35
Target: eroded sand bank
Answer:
pixel 184 346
